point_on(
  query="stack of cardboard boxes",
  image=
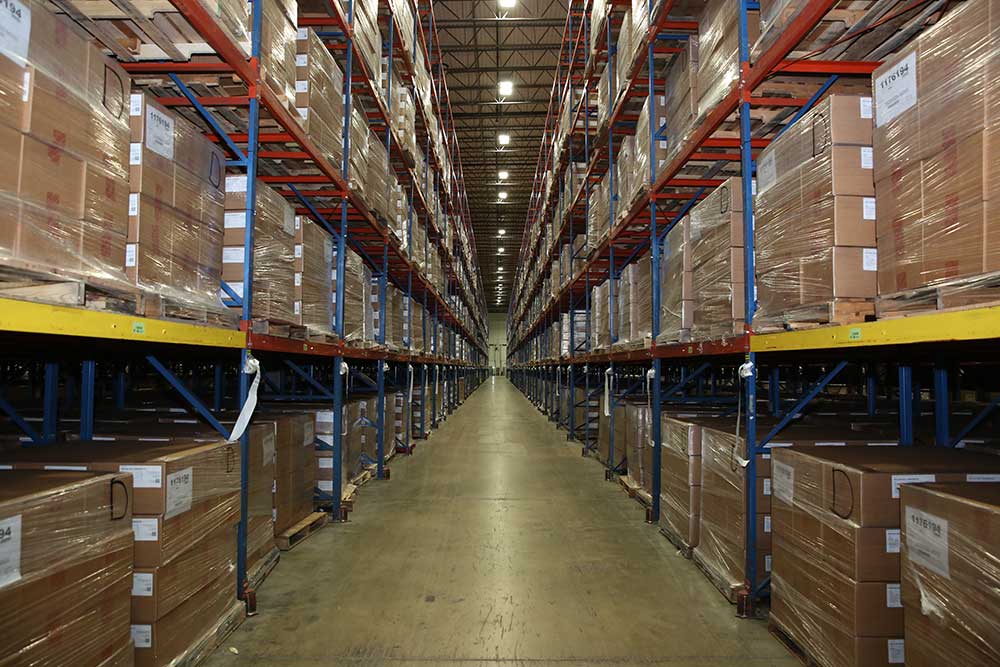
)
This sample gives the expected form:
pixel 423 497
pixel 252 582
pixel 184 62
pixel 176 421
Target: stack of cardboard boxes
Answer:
pixel 718 51
pixel 295 469
pixel 359 322
pixel 936 179
pixel 635 306
pixel 278 48
pixel 64 586
pixel 261 464
pixel 717 273
pixel 836 570
pixel 676 284
pixel 313 273
pixel 681 93
pixel 815 214
pixel 680 478
pixel 319 96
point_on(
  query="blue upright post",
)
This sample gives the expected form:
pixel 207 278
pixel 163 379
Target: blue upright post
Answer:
pixel 654 269
pixel 88 377
pixel 120 381
pixel 942 406
pixel 773 393
pixel 50 402
pixel 905 405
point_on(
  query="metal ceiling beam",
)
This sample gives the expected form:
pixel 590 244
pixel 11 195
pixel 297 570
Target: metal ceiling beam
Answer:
pixel 505 114
pixel 466 48
pixel 493 70
pixel 503 21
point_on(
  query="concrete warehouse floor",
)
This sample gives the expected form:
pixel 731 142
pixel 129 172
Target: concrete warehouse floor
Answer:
pixel 495 544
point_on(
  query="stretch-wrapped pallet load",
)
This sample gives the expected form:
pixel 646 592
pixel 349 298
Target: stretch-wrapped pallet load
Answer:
pixel 274 253
pixel 717 268
pixel 185 508
pixel 65 142
pixel 176 208
pixel 295 468
pixel 815 217
pixel 681 92
pixel 67 576
pixel 600 305
pixel 598 220
pixel 642 142
pixel 313 271
pixel 950 581
pixel 319 95
pixel 278 35
pixel 637 444
pixel 359 136
pixel 676 284
pixel 718 51
pixel 680 478
pixel 262 461
pixel 574 322
pixel 836 568
pixel 936 177
pixel 359 323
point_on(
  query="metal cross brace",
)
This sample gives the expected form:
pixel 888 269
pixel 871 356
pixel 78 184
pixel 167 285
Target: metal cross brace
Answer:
pixel 975 421
pixel 188 395
pixel 310 380
pixel 789 415
pixel 364 378
pixel 12 413
pixel 241 158
pixel 686 381
pixel 236 299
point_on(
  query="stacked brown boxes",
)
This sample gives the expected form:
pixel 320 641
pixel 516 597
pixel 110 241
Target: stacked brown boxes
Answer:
pixel 416 326
pixel 313 307
pixel 295 469
pixel 637 438
pixel 676 288
pixel 359 136
pixel 642 157
pixel 680 107
pixel 718 51
pixel 640 300
pixel 598 214
pixel 260 494
pixel 368 39
pixel 680 477
pixel 319 95
pixel 65 144
pixel 274 251
pixel 278 48
pixel 836 575
pixel 185 511
pixel 815 214
pixel 175 231
pixel 950 580
pixel 716 229
pixel 936 187
pixel 358 313
pixel 353 439
pixel 64 587
pixel 600 314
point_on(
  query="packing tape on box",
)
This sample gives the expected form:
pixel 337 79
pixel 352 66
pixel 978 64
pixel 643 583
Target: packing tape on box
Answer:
pixel 251 366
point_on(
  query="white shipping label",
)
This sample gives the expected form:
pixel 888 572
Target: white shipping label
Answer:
pixel 15 30
pixel 234 220
pixel 142 636
pixel 297 307
pixel 868 208
pixel 236 183
pixel 135 154
pixel 892 540
pixel 298 279
pixel 908 479
pixel 767 563
pixel 159 132
pixel 982 477
pixel 298 250
pixel 10 550
pixel 897 653
pixel 302 33
pixel 73 468
pixel 302 86
pixel 867 160
pixel 144 477
pixel 866 107
pixel 767 172
pixel 233 255
pixel 133 204
pixel 927 540
pixel 146 530
pixel 767 486
pixel 325 463
pixel 893 597
pixel 142 584
pixel 131 249
pixel 180 489
pixel 896 90
pixel 869 259
pixel 767 523
pixel 784 481
pixel 135 104
pixel 301 59
pixel 325 485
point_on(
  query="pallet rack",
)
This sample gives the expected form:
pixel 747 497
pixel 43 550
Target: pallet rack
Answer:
pixel 794 367
pixel 53 341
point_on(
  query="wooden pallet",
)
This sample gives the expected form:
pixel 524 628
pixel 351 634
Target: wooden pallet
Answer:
pixel 675 539
pixel 835 312
pixel 30 282
pixel 278 329
pixel 166 308
pixel 258 573
pixel 301 530
pixel 975 292
pixel 778 632
pixel 729 590
pixel 212 638
pixel 635 491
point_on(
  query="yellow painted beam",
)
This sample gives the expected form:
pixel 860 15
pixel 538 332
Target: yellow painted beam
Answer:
pixel 41 318
pixel 935 327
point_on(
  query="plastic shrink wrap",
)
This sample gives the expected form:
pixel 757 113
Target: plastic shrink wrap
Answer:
pixel 676 290
pixel 815 215
pixel 64 590
pixel 681 97
pixel 935 172
pixel 319 95
pixel 359 322
pixel 278 35
pixel 716 233
pixel 950 576
pixel 718 51
pixel 313 276
pixel 274 254
pixel 680 477
pixel 836 546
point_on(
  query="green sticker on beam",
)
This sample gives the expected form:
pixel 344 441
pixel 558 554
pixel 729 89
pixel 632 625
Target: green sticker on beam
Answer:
pixel 854 334
pixel 139 328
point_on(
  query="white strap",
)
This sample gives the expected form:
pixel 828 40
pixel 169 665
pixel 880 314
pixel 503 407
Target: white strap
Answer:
pixel 251 366
pixel 607 392
pixel 409 394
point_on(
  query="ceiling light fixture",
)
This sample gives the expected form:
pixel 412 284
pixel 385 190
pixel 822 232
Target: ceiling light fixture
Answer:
pixel 503 175
pixel 507 4
pixel 503 139
pixel 502 194
pixel 500 251
pixel 501 232
pixel 506 88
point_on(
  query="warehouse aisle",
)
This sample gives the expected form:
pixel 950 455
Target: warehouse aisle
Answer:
pixel 496 544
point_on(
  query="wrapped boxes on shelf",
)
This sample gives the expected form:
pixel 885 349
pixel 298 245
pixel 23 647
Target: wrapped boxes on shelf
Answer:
pixel 935 174
pixel 598 220
pixel 949 577
pixel 176 212
pixel 600 304
pixel 637 450
pixel 274 252
pixel 676 285
pixel 295 468
pixel 260 493
pixel 65 137
pixel 635 305
pixel 319 96
pixel 313 272
pixel 680 478
pixel 278 35
pixel 716 233
pixel 64 594
pixel 836 542
pixel 681 97
pixel 815 218
pixel 359 325
pixel 718 51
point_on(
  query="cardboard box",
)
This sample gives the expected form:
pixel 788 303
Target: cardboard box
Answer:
pixel 51 178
